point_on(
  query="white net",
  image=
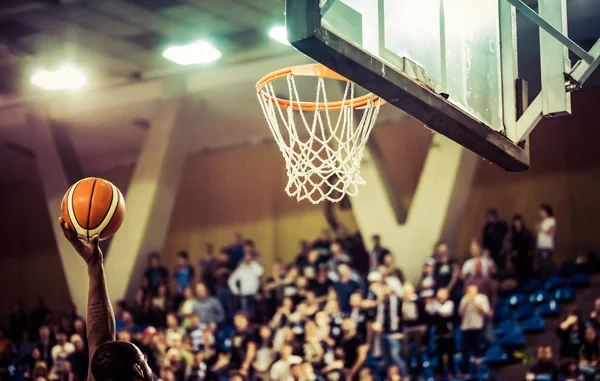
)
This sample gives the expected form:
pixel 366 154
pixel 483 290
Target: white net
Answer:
pixel 322 151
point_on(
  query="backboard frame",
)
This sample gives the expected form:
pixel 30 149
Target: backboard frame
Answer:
pixel 307 34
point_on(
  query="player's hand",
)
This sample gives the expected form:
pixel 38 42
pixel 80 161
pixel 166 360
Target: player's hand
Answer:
pixel 89 251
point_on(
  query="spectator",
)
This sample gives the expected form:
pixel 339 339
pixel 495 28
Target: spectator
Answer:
pixel 590 350
pixel 159 304
pixel 207 307
pixel 391 270
pixel 243 346
pixel 595 315
pixel 474 308
pixel 487 265
pixel 174 333
pixel 6 354
pixel 302 257
pixel 387 324
pixel 223 293
pixel 546 230
pixel 45 345
pixel 544 365
pixel 273 286
pixel 208 265
pixel 187 306
pixel 377 253
pixel 354 351
pixel 63 348
pixel 338 256
pixel 323 243
pixel 322 284
pixel 79 358
pixel 426 286
pixel 446 270
pixel 569 371
pixel 155 275
pixel 236 250
pixel 518 244
pixel 184 273
pixel 414 322
pixel 345 286
pixel 441 312
pixel 17 322
pixel 194 331
pixel 245 280
pixel 485 285
pixel 22 350
pixel 571 332
pixel 493 235
pixel 280 371
pixel 265 355
pixel 198 370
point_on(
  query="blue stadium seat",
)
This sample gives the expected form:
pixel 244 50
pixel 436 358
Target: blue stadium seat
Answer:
pixel 568 268
pixel 549 309
pixel 505 327
pixel 524 311
pixel 555 282
pixel 532 286
pixel 517 299
pixel 534 324
pixel 540 297
pixel 503 314
pixel 579 281
pixel 564 295
pixel 543 377
pixel 514 339
pixel 495 355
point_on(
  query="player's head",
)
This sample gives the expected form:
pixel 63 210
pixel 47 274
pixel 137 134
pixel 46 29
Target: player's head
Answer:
pixel 119 361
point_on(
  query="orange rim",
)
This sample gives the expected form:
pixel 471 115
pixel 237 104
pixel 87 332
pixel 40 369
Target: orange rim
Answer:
pixel 312 70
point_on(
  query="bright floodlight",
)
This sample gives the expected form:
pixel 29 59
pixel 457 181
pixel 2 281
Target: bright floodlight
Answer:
pixel 191 54
pixel 64 78
pixel 279 33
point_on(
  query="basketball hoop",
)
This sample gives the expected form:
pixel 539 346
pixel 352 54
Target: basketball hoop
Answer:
pixel 323 158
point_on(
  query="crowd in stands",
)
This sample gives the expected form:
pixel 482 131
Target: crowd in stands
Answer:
pixel 338 312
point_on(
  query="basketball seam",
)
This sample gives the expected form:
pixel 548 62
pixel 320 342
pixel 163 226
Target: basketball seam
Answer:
pixel 111 210
pixel 80 230
pixel 90 209
pixel 112 196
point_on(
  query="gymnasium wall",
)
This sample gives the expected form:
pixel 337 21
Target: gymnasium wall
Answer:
pixel 241 190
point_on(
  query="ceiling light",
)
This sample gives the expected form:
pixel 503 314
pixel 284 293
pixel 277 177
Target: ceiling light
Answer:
pixel 194 53
pixel 279 33
pixel 64 78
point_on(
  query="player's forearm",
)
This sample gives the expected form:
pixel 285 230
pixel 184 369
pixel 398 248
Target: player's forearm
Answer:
pixel 100 316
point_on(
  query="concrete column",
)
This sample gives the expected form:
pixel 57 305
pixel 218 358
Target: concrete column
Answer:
pixel 55 182
pixel 151 195
pixel 436 209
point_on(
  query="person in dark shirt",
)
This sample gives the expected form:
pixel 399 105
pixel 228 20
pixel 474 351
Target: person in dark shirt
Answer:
pixel 345 286
pixel 324 241
pixel 415 323
pixel 79 358
pixel 441 313
pixel 322 284
pixel 590 349
pixel 544 366
pixel 243 346
pixel 17 322
pixel 45 345
pixel 354 351
pixel 518 245
pixel 199 370
pixel 184 274
pixel 155 275
pixel 571 332
pixel 446 270
pixel 389 263
pixel 594 318
pixel 361 316
pixel 494 232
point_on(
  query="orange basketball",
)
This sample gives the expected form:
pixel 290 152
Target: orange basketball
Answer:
pixel 93 206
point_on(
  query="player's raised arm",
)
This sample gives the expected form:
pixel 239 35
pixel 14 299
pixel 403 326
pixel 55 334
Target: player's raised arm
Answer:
pixel 100 316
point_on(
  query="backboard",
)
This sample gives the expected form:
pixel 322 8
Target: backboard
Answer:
pixel 438 60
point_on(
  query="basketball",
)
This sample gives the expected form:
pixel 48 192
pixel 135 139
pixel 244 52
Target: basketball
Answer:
pixel 93 206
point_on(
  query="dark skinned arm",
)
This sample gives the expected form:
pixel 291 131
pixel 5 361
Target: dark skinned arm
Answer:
pixel 100 316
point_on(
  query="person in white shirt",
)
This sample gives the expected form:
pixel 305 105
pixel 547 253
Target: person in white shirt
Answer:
pixel 63 348
pixel 488 267
pixel 546 229
pixel 280 371
pixel 245 280
pixel 474 307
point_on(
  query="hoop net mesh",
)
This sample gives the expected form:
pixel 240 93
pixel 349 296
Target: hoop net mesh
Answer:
pixel 322 151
